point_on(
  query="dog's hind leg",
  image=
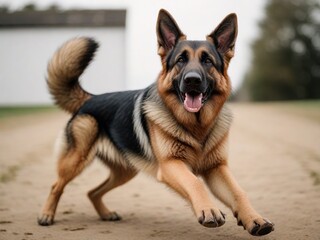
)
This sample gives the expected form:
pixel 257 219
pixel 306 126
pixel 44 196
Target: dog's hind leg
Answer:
pixel 76 155
pixel 118 176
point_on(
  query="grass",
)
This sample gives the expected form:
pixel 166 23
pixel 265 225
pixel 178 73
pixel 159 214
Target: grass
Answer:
pixel 13 111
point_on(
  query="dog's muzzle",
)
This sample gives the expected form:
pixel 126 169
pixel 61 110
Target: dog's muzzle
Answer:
pixel 192 88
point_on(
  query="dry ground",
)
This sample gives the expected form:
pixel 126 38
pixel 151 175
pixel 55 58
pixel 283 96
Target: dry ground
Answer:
pixel 274 154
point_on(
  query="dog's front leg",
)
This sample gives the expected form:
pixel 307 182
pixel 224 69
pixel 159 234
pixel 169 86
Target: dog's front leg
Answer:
pixel 224 186
pixel 177 175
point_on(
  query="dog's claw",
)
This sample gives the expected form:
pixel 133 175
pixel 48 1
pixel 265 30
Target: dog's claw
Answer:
pixel 112 216
pixel 223 214
pixel 260 230
pixel 210 219
pixel 45 220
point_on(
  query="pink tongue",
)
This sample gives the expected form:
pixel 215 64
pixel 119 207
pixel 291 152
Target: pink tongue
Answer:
pixel 192 103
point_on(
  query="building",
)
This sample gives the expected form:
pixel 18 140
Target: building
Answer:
pixel 29 38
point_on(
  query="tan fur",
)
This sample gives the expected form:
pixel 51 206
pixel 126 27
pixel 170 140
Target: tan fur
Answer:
pixel 118 176
pixel 179 177
pixel 63 72
pixel 107 150
pixel 184 144
pixel 72 161
pixel 224 186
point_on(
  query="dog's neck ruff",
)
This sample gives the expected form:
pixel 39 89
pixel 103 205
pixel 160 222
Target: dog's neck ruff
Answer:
pixel 156 111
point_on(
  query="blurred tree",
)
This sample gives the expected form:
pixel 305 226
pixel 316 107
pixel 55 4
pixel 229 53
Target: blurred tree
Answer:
pixel 286 56
pixel 33 7
pixel 29 7
pixel 4 9
pixel 54 7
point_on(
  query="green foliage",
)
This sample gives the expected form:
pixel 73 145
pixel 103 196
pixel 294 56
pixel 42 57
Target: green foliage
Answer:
pixel 286 56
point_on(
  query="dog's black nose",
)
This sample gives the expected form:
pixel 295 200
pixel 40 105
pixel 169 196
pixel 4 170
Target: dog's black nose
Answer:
pixel 192 78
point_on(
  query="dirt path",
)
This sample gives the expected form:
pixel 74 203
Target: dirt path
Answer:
pixel 274 153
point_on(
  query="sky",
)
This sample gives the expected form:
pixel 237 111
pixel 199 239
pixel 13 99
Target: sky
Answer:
pixel 196 18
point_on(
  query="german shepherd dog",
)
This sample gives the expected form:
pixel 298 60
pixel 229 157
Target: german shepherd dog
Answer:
pixel 176 129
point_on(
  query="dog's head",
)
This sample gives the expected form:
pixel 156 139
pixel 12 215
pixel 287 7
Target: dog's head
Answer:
pixel 195 72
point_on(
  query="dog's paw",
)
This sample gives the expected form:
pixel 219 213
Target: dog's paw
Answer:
pixel 212 218
pixel 256 226
pixel 111 216
pixel 260 227
pixel 46 219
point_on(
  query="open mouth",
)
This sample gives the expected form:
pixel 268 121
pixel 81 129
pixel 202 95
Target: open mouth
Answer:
pixel 193 97
pixel 193 101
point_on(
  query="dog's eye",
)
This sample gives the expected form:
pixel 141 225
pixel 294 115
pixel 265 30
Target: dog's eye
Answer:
pixel 208 61
pixel 181 59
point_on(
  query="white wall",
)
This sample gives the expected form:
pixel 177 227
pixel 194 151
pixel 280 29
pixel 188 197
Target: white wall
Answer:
pixel 24 54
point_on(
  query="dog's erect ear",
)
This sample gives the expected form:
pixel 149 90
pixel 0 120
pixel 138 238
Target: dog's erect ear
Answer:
pixel 168 32
pixel 225 35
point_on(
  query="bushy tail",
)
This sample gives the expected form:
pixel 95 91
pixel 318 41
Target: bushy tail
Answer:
pixel 64 70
